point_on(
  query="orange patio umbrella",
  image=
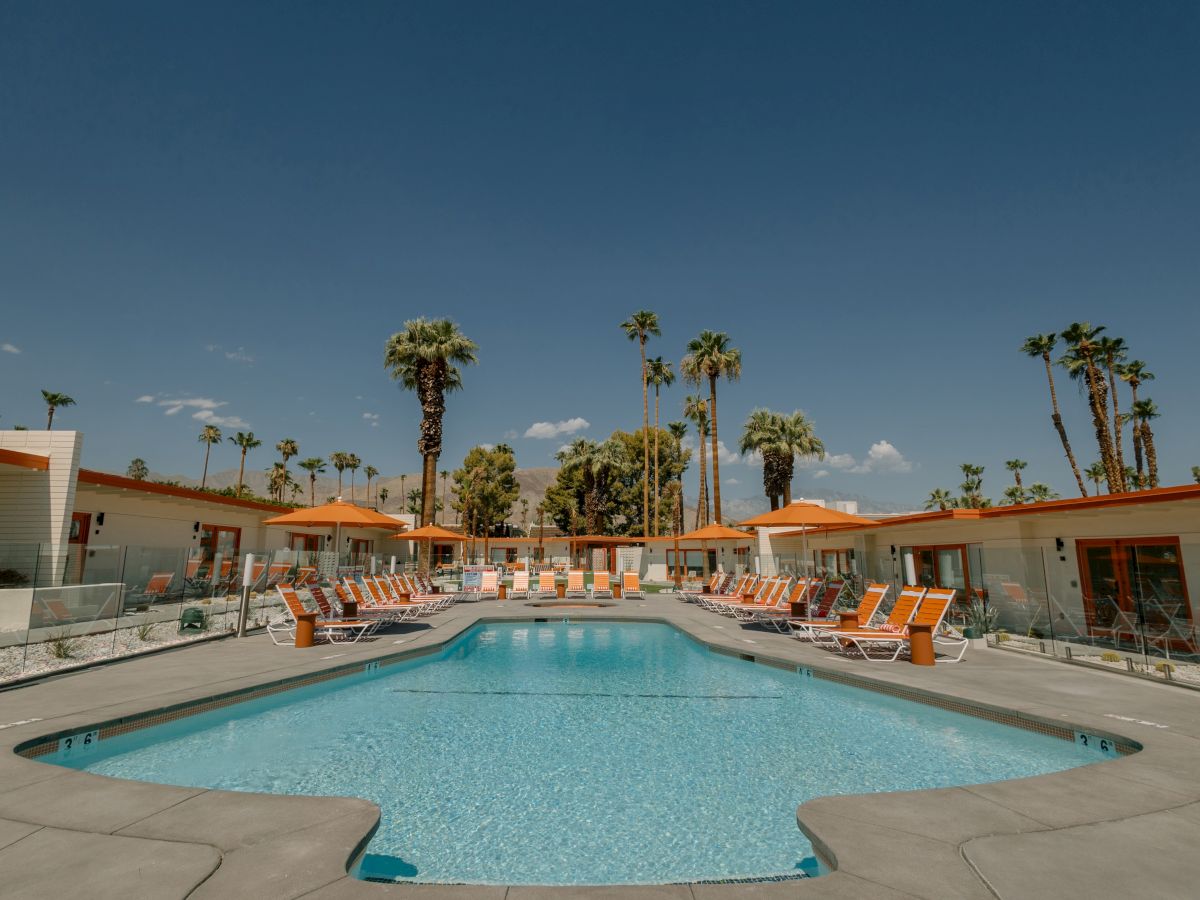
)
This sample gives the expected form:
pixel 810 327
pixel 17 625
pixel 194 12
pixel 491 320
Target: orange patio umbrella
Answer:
pixel 715 532
pixel 428 533
pixel 335 514
pixel 804 516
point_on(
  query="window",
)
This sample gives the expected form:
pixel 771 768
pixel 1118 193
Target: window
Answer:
pixel 1134 588
pixel 219 539
pixel 309 543
pixel 692 562
pixel 360 547
pixel 939 566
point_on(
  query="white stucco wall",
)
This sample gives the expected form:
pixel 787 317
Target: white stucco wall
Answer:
pixel 35 506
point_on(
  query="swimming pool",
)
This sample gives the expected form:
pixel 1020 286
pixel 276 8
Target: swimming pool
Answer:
pixel 597 753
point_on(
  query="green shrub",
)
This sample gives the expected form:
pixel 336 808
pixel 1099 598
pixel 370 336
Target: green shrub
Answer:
pixel 63 646
pixel 1109 656
pixel 144 631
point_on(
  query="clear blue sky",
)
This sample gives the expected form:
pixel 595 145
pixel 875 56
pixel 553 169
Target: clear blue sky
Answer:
pixel 236 204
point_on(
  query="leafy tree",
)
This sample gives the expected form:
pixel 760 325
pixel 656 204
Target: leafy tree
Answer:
pixel 1196 474
pixel 1040 493
pixel 209 435
pixel 314 466
pixel 761 434
pixel 941 499
pixel 486 488
pixel 287 448
pixel 138 470
pixel 424 358
pixel 972 488
pixel 1135 374
pixel 1042 345
pixel 54 401
pixel 695 408
pixel 710 357
pixel 280 480
pixel 247 442
pixel 639 327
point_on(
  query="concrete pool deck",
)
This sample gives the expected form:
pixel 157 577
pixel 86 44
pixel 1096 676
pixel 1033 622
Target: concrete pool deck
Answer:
pixel 1122 827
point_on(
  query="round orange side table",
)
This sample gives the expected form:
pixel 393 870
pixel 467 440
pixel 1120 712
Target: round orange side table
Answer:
pixel 306 624
pixel 616 590
pixel 502 592
pixel 560 590
pixel 920 644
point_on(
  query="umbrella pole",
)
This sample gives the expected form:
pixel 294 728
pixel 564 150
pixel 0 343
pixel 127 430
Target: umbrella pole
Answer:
pixel 678 578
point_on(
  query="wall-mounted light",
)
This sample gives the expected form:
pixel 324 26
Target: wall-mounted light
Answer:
pixel 1059 545
pixel 195 526
pixel 99 518
pixel 893 549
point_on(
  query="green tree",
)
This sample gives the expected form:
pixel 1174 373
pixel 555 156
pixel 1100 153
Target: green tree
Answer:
pixel 710 357
pixel 625 511
pixel 425 358
pixel 1015 466
pixel 1095 473
pixel 287 448
pixel 138 470
pixel 761 434
pixel 797 438
pixel 486 489
pixel 1135 374
pixel 370 472
pixel 54 401
pixel 1196 474
pixel 1144 411
pixel 972 488
pixel 679 432
pixel 597 466
pixel 314 466
pixel 1041 346
pixel 414 502
pixel 1080 362
pixel 1111 353
pixel 352 463
pixel 340 460
pixel 695 408
pixel 209 435
pixel 1041 493
pixel 279 481
pixel 381 495
pixel 661 375
pixel 247 442
pixel 1014 495
pixel 941 499
pixel 639 327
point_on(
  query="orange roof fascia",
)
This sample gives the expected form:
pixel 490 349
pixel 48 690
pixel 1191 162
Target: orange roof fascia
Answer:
pixel 104 479
pixel 25 460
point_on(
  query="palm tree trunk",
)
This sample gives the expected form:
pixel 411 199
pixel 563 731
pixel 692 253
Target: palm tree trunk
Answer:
pixel 1097 397
pixel 712 423
pixel 204 477
pixel 702 500
pixel 787 491
pixel 241 471
pixel 351 485
pixel 50 418
pixel 312 489
pixel 656 498
pixel 645 444
pixel 1151 454
pixel 1137 443
pixel 1117 428
pixel 1056 417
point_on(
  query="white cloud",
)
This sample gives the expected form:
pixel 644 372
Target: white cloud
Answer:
pixel 821 473
pixel 203 407
pixel 238 355
pixel 371 416
pixel 10 348
pixel 145 398
pixel 732 481
pixel 208 417
pixel 548 430
pixel 488 447
pixel 882 459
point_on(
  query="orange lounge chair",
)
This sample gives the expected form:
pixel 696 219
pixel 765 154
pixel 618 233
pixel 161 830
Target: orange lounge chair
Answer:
pixel 351 630
pixel 931 611
pixel 872 599
pixel 601 585
pixel 520 585
pixel 631 585
pixel 545 585
pixel 575 585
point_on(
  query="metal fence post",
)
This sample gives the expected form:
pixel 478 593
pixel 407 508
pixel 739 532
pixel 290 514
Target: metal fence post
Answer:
pixel 244 611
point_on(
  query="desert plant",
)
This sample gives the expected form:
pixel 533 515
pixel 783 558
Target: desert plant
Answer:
pixel 63 646
pixel 144 631
pixel 1002 636
pixel 981 617
pixel 1165 668
pixel 1110 656
pixel 12 578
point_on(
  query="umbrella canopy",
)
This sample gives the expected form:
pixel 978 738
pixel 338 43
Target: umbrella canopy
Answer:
pixel 338 513
pixel 428 533
pixel 807 515
pixel 716 533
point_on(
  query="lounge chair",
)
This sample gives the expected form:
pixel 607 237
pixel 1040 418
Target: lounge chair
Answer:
pixel 575 585
pixel 631 585
pixel 775 610
pixel 520 585
pixel 156 588
pixel 872 599
pixel 731 591
pixel 350 630
pixel 545 585
pixel 305 575
pixel 747 598
pixel 601 585
pixel 931 611
pixel 490 586
pixel 370 607
pixel 714 587
pixel 899 617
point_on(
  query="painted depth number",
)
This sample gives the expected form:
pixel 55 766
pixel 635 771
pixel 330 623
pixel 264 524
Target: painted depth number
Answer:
pixel 1102 745
pixel 79 742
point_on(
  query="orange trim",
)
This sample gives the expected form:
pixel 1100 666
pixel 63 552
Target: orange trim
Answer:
pixel 104 479
pixel 25 460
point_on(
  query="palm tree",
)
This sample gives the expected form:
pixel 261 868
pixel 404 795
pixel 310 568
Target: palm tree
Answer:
pixel 138 470
pixel 797 438
pixel 247 441
pixel 1014 494
pixel 1112 352
pixel 1196 474
pixel 445 475
pixel 314 466
pixel 53 402
pixel 940 498
pixel 1095 473
pixel 1040 493
pixel 370 472
pixel 381 495
pixel 340 460
pixel 524 515
pixel 710 356
pixel 695 408
pixel 660 373
pixel 1043 345
pixel 209 435
pixel 352 463
pixel 1135 374
pixel 639 327
pixel 1144 411
pixel 287 448
pixel 279 479
pixel 403 478
pixel 762 435
pixel 972 487
pixel 678 431
pixel 1080 362
pixel 1015 466
pixel 596 464
pixel 424 358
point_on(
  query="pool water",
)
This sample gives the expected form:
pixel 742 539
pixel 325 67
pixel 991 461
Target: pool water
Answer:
pixel 597 753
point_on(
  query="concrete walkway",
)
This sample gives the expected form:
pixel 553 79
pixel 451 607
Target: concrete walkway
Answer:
pixel 1125 827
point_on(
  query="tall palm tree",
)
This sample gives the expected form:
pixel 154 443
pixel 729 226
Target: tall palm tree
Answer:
pixel 1144 411
pixel 1095 473
pixel 1112 351
pixel 138 470
pixel 381 495
pixel 209 435
pixel 678 431
pixel 710 356
pixel 370 472
pixel 1135 374
pixel 797 438
pixel 940 498
pixel 1015 466
pixel 1040 493
pixel 660 374
pixel 1014 494
pixel 247 441
pixel 639 327
pixel 340 460
pixel 1080 362
pixel 403 478
pixel 695 408
pixel 280 480
pixel 287 448
pixel 445 476
pixel 972 486
pixel 314 466
pixel 53 402
pixel 761 434
pixel 352 463
pixel 1042 345
pixel 424 358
